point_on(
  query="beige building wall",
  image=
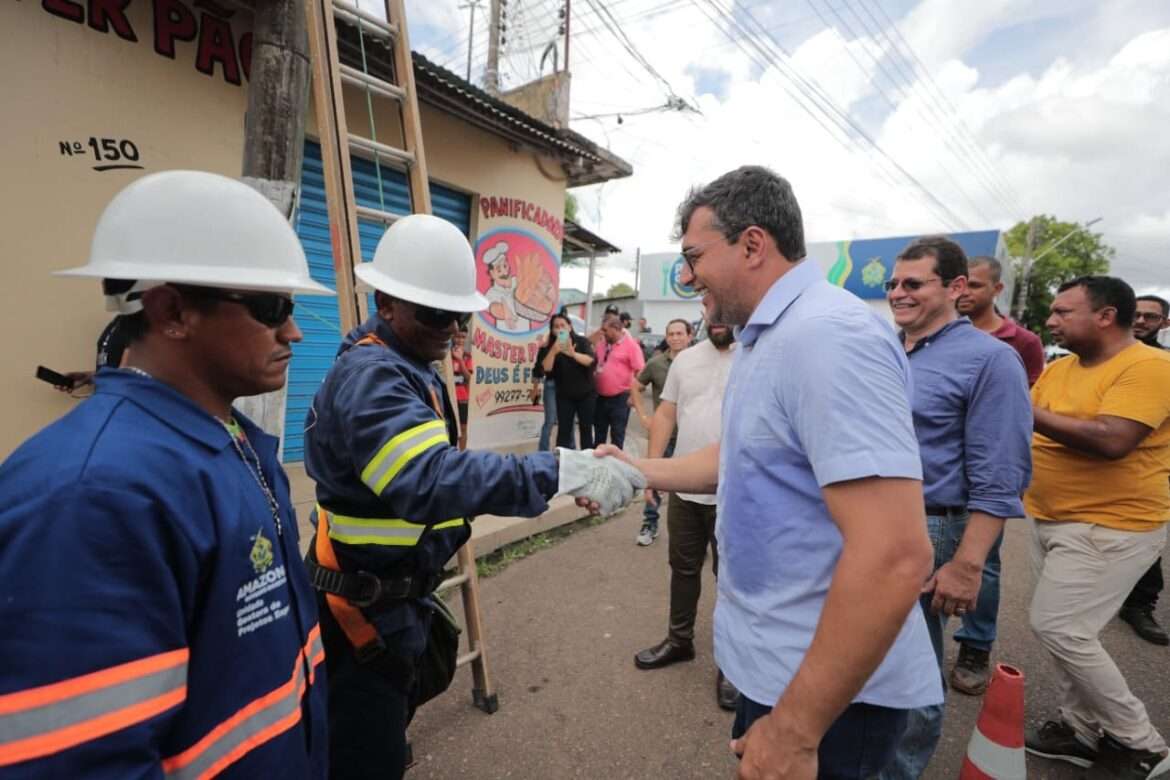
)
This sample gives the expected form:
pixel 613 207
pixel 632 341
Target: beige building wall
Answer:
pixel 68 81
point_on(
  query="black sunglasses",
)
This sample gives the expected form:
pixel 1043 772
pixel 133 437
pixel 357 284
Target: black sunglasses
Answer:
pixel 910 285
pixel 271 309
pixel 430 317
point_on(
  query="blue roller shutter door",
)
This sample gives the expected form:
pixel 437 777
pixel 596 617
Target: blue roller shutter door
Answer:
pixel 317 315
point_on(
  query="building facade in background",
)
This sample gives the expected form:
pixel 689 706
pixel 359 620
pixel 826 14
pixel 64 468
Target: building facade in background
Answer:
pixel 108 92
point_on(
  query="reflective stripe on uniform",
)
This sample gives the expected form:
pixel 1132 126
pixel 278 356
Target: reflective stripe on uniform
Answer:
pixel 368 530
pixel 396 453
pixel 252 726
pixel 51 718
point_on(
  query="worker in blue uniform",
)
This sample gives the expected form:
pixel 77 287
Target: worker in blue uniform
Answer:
pixel 395 496
pixel 157 620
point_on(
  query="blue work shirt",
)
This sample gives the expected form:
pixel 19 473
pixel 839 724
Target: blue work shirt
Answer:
pixel 380 446
pixel 157 620
pixel 973 417
pixel 818 394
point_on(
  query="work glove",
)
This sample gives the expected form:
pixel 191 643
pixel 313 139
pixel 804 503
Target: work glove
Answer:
pixel 608 481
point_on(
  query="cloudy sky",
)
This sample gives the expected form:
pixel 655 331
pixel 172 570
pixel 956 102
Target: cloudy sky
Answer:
pixel 889 117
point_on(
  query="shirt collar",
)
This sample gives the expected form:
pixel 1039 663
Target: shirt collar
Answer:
pixel 783 292
pixel 179 412
pixel 1007 330
pixel 922 342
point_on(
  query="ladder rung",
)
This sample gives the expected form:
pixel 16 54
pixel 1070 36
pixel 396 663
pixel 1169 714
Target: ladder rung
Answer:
pixel 351 13
pixel 458 579
pixel 373 83
pixel 467 658
pixel 375 147
pixel 386 218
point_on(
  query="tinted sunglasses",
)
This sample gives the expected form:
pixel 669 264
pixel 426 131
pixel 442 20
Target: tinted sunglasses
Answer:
pixel 909 285
pixel 271 309
pixel 430 317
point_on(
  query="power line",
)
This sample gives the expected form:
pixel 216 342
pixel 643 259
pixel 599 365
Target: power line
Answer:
pixel 1006 190
pixel 848 31
pixel 815 102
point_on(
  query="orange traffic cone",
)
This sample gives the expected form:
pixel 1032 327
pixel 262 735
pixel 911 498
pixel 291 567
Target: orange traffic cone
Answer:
pixel 996 749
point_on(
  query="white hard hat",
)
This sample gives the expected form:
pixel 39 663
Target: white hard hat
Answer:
pixel 425 260
pixel 198 228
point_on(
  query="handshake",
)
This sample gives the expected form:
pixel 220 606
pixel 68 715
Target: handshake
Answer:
pixel 605 484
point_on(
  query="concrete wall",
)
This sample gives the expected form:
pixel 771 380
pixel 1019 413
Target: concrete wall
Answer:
pixel 172 89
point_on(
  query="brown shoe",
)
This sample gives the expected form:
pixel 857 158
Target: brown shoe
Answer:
pixel 726 694
pixel 663 654
pixel 971 671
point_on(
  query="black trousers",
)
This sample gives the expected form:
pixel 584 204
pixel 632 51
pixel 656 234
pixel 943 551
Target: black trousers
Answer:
pixel 368 709
pixel 611 418
pixel 692 530
pixel 1144 595
pixel 583 410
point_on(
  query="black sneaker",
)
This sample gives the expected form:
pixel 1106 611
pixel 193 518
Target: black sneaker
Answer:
pixel 971 671
pixel 1115 761
pixel 1143 624
pixel 1058 741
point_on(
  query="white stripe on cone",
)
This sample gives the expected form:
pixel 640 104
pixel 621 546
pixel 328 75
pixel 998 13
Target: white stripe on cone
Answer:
pixel 996 761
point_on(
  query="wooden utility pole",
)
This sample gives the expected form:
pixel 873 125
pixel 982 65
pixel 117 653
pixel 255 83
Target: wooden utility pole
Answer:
pixel 491 74
pixel 274 138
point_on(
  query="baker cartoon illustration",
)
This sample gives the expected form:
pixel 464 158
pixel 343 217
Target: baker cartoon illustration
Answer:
pixel 519 301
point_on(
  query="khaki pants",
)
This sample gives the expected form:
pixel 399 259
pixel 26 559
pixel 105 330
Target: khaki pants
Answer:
pixel 1084 572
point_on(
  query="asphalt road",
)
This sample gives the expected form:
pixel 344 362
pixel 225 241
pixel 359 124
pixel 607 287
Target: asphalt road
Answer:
pixel 562 629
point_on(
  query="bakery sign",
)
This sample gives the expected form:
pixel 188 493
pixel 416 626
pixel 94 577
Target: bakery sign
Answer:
pixel 204 32
pixel 517 271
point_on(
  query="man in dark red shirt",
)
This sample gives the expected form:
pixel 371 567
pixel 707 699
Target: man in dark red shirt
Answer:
pixel 978 304
pixel 977 634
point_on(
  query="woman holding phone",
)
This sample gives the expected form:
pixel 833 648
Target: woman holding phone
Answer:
pixel 568 360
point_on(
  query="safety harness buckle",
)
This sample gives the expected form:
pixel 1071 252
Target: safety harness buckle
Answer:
pixel 370 589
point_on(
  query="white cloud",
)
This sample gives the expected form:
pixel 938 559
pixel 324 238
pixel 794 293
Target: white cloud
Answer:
pixel 1078 134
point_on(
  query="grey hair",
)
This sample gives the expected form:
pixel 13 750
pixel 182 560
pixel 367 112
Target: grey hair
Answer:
pixel 749 195
pixel 995 266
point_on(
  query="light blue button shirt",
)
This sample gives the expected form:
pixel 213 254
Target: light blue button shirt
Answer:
pixel 818 394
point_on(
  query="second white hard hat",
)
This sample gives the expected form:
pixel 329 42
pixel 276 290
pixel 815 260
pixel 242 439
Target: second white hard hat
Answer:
pixel 425 260
pixel 193 227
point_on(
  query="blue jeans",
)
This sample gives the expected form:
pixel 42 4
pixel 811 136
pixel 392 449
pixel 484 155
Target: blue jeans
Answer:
pixel 651 512
pixel 610 418
pixel 858 746
pixel 978 629
pixel 925 723
pixel 549 397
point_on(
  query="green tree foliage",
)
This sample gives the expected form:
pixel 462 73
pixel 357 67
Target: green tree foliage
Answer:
pixel 619 290
pixel 1083 252
pixel 570 206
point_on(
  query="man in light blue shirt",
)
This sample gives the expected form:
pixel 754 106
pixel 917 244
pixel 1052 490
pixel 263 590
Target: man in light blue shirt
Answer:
pixel 819 497
pixel 973 419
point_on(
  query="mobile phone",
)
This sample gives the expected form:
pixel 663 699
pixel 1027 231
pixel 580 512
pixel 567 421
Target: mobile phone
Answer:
pixel 53 378
pixel 563 336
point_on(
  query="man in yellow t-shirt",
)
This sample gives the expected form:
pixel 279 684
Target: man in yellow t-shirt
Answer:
pixel 1100 464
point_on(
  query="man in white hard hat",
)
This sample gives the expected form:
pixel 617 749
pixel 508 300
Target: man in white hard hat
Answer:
pixel 395 495
pixel 157 617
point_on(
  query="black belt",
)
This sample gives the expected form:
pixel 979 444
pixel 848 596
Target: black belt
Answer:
pixel 363 589
pixel 944 511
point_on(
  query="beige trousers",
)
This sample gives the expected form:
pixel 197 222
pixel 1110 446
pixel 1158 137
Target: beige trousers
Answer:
pixel 1083 574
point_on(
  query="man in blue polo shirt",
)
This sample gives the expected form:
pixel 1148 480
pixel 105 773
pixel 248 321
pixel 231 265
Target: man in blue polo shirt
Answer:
pixel 821 525
pixel 973 418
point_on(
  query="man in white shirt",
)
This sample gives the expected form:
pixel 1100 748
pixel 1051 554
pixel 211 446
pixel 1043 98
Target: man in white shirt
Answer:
pixel 692 399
